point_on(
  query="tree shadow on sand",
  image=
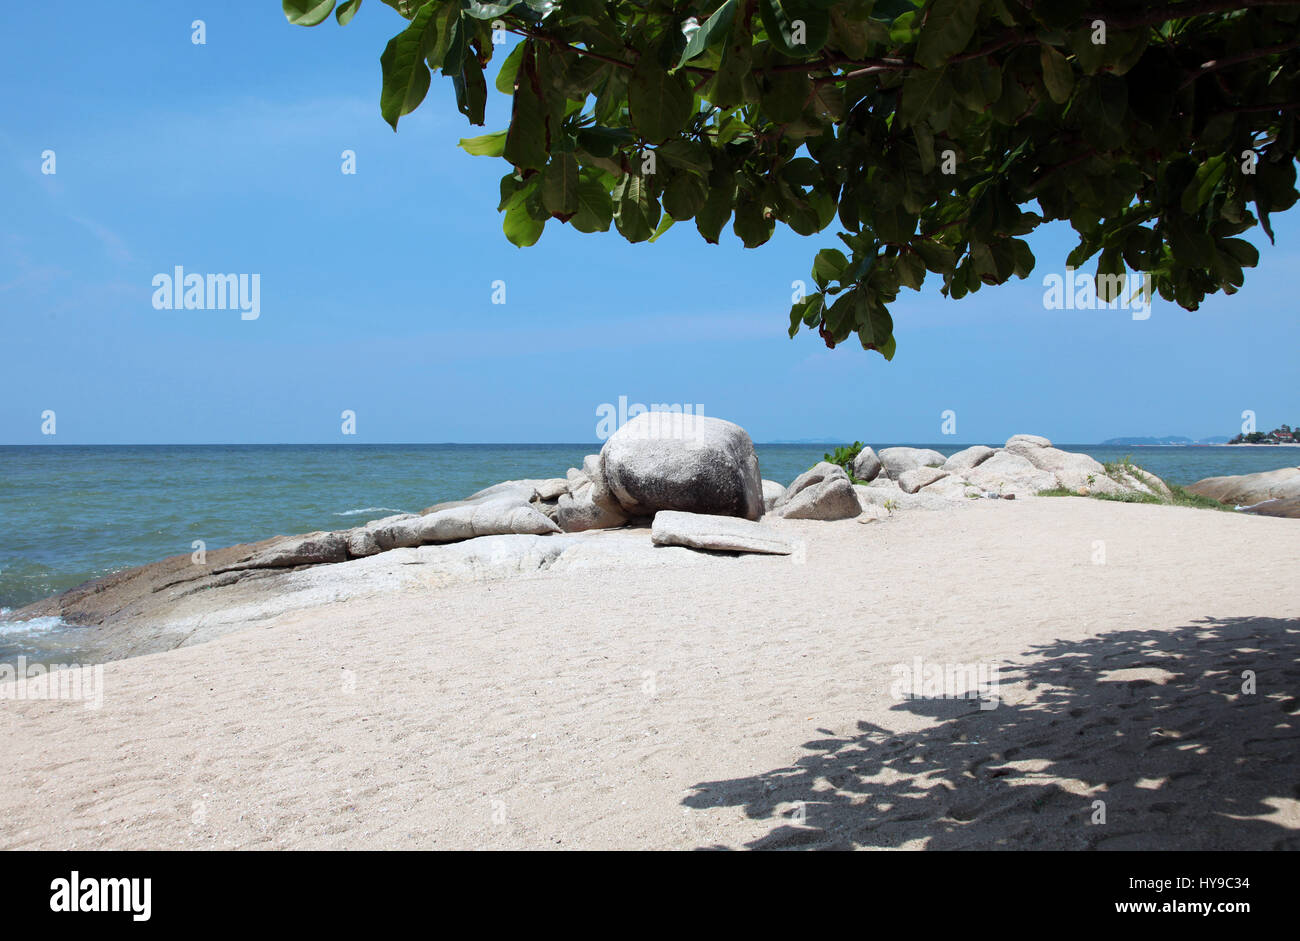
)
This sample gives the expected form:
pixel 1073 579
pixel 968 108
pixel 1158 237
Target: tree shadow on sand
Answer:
pixel 1180 755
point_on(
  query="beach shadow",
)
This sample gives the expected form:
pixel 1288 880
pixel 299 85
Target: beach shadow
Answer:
pixel 1153 723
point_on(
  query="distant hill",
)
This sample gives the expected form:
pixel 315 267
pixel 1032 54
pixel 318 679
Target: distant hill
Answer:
pixel 1129 442
pixel 1166 440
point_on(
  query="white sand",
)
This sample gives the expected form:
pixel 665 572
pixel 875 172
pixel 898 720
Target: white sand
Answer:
pixel 713 704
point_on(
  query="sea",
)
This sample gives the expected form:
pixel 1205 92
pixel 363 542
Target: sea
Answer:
pixel 72 513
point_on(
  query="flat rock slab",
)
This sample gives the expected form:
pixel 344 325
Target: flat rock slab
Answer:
pixel 719 533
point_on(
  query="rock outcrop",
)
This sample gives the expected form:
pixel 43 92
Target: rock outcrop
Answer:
pixel 1249 489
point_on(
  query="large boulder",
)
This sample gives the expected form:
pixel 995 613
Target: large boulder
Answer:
pixel 822 493
pixel 897 461
pixel 1249 489
pixel 1010 473
pixel 866 466
pixel 719 533
pixel 967 458
pixel 918 477
pixel 672 461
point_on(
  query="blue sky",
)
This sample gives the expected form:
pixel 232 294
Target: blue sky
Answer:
pixel 376 287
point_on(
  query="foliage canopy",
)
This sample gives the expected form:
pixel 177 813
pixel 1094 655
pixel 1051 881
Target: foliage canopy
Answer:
pixel 933 134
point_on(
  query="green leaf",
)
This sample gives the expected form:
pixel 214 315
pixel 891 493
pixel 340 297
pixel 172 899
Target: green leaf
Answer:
pixel 1057 74
pixel 715 212
pixel 798 28
pixel 486 145
pixel 471 90
pixel 505 80
pixel 306 12
pixel 489 11
pixel 751 225
pixel 406 77
pixel 528 139
pixel 729 85
pixel 829 265
pixel 924 94
pixel 1208 176
pixel 938 257
pixel 808 311
pixel 888 348
pixel 595 208
pixel 784 96
pixel 346 10
pixel 684 196
pixel 714 28
pixel 637 212
pixel 689 155
pixel 520 227
pixel 560 186
pixel 949 26
pixel 660 102
pixel 665 224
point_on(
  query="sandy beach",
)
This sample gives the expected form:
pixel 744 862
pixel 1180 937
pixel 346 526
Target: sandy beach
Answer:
pixel 723 701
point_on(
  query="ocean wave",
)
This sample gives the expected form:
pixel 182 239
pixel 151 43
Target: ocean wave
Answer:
pixel 27 628
pixel 369 509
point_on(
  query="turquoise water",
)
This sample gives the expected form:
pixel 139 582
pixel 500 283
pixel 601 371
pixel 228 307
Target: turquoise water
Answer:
pixel 73 513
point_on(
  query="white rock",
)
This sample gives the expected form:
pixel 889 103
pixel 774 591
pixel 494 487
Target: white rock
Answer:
pixel 468 522
pixel 719 533
pixel 967 458
pixel 577 513
pixel 1006 472
pixel 772 491
pixel 671 461
pixel 866 466
pixel 1023 444
pixel 309 549
pixel 913 480
pixel 823 493
pixel 896 461
pixel 361 543
pixel 551 489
